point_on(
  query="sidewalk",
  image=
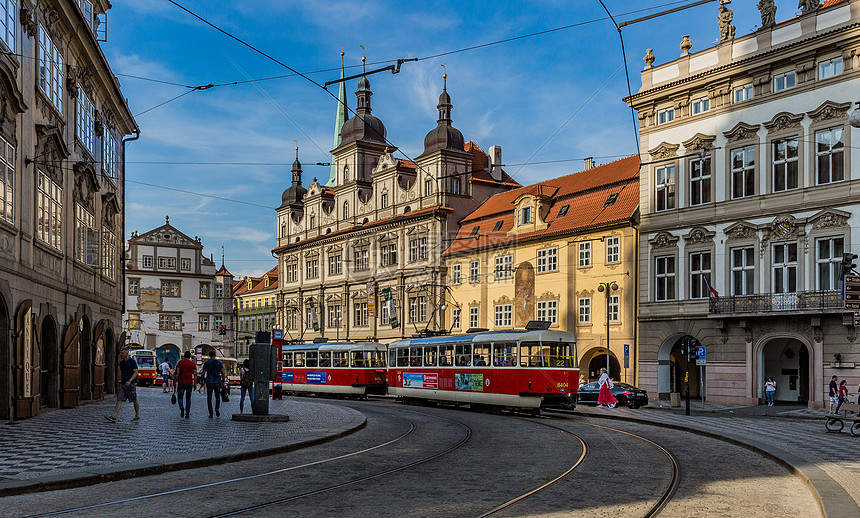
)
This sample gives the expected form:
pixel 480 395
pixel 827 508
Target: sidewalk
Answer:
pixel 828 462
pixel 696 406
pixel 67 448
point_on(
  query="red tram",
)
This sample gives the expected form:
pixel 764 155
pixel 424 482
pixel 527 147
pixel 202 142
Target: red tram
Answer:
pixel 355 368
pixel 516 369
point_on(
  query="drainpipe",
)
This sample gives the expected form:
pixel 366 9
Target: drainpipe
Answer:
pixel 122 186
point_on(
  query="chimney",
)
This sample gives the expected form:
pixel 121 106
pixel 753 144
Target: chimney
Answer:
pixel 589 163
pixel 496 163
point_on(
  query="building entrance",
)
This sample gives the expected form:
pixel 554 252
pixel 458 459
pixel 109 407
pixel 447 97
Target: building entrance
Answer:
pixel 599 362
pixel 5 362
pixel 50 363
pixel 786 360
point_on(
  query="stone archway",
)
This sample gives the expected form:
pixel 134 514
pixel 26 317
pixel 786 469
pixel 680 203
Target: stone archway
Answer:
pixel 170 352
pixel 595 359
pixel 50 375
pixel 788 359
pixel 85 362
pixel 5 362
pixel 26 362
pixel 672 367
pixel 98 360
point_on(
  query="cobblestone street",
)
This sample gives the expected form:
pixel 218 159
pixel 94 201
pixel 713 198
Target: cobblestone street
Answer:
pixel 81 440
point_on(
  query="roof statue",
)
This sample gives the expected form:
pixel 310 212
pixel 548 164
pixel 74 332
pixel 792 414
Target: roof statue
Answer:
pixel 727 30
pixel 768 13
pixel 807 6
pixel 649 58
pixel 339 120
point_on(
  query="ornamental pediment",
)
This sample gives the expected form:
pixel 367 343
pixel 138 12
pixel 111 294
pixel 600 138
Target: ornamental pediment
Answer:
pixel 664 150
pixel 699 141
pixel 699 236
pixel 663 240
pixel 829 110
pixel 784 120
pixel 742 131
pixel 741 230
pixel 830 218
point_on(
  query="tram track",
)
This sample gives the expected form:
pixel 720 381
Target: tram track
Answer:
pixel 234 480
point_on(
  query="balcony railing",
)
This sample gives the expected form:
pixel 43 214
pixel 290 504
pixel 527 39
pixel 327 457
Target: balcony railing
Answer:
pixel 770 302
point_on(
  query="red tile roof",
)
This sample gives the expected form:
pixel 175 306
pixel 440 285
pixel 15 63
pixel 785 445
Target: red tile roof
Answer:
pixel 481 160
pixel 223 271
pixel 585 193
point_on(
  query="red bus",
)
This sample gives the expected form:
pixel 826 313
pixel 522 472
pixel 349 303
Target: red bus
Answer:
pixel 530 369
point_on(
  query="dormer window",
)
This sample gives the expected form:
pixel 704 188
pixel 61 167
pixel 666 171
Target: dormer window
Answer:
pixel 250 284
pixel 474 232
pixel 383 201
pixel 525 215
pixel 611 199
pixel 498 226
pixel 266 281
pixel 563 211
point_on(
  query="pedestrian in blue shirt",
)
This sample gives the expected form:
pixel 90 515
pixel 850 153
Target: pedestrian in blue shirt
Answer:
pixel 214 374
pixel 127 386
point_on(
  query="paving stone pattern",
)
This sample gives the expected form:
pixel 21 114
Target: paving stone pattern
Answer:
pixel 64 441
pixel 835 453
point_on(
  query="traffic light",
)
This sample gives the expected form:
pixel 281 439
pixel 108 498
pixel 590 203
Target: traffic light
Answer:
pixel 848 263
pixel 222 330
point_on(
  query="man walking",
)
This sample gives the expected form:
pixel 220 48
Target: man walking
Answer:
pixel 127 387
pixel 214 375
pixel 184 374
pixel 165 375
pixel 834 393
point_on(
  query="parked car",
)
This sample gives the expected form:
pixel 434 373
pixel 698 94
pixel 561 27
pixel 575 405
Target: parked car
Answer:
pixel 625 394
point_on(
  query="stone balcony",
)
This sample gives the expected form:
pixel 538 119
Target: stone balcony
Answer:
pixel 802 301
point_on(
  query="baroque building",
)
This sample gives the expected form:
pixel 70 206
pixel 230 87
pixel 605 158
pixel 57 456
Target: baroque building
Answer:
pixel 256 308
pixel 365 245
pixel 748 199
pixel 175 299
pixel 542 252
pixel 64 123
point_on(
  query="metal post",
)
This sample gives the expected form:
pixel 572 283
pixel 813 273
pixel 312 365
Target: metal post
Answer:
pixel 608 371
pixel 687 378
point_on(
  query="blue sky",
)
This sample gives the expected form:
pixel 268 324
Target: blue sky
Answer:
pixel 555 96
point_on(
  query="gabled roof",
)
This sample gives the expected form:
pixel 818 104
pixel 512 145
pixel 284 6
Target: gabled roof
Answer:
pixel 157 235
pixel 587 195
pixel 223 271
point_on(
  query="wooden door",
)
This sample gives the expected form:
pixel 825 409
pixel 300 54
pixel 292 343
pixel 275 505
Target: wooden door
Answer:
pixel 27 365
pixel 70 369
pixel 98 360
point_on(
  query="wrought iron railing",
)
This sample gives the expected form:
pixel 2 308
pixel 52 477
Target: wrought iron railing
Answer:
pixel 769 302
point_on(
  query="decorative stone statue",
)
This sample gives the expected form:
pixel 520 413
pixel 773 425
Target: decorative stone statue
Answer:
pixel 686 45
pixel 649 58
pixel 727 30
pixel 768 13
pixel 807 6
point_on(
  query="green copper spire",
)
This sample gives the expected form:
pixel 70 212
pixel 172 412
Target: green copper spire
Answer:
pixel 338 124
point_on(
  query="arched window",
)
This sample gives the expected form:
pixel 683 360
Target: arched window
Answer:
pixel 283 229
pixel 345 173
pixel 345 210
pixel 428 187
pixel 313 221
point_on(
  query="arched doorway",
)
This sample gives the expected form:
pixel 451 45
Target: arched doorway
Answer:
pixel 170 352
pixel 598 361
pixel 98 361
pixel 5 362
pixel 672 368
pixel 786 360
pixel 110 362
pixel 85 361
pixel 50 363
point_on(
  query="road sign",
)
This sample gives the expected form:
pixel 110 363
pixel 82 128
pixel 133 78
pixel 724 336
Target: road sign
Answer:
pixel 626 356
pixel 700 356
pixel 857 318
pixel 852 291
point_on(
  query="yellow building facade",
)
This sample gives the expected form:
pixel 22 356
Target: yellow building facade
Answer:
pixel 562 251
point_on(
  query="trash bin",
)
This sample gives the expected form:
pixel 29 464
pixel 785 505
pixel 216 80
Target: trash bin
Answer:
pixel 675 399
pixel 278 392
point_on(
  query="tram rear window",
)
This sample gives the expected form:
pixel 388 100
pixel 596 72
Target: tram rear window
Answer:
pixel 368 359
pixel 505 354
pixel 325 359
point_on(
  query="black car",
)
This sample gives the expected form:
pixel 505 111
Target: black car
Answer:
pixel 624 393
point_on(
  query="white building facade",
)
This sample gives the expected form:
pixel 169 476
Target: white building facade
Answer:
pixel 175 299
pixel 750 183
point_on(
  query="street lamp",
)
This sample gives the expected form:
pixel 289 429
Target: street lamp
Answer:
pixel 607 287
pixel 339 320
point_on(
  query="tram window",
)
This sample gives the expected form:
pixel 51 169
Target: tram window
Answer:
pixel 504 354
pixel 376 358
pixel 325 359
pixel 446 356
pixel 430 356
pixel 311 358
pixel 530 355
pixel 558 354
pixel 392 359
pixel 358 359
pixel 300 359
pixel 288 359
pixel 462 354
pixel 403 357
pixel 340 359
pixel 480 355
pixel 415 356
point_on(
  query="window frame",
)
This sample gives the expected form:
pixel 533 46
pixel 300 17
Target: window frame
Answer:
pixel 832 263
pixel 701 184
pixel 547 260
pixel 698 288
pixel 456 273
pixel 10 24
pixel 746 169
pixel 743 272
pixel 504 267
pixel 7 181
pixel 703 104
pixel 51 70
pixel 312 268
pixel 50 211
pixel 547 311
pixel 832 64
pixel 474 317
pixel 583 311
pixel 785 81
pixel 746 91
pixel 785 162
pixel 613 249
pixel 585 254
pixel 503 315
pixel 790 269
pixel 205 290
pixel 474 271
pixel 666 115
pixel 666 278
pixel 818 154
pixel 85 120
pixel 665 190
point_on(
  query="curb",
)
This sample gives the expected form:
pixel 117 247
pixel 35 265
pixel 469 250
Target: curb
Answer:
pixel 833 500
pixel 10 487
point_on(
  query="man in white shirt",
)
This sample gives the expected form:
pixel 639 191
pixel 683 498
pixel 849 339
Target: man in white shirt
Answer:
pixel 165 375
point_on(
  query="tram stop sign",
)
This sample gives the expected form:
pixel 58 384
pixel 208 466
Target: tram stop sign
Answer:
pixel 700 355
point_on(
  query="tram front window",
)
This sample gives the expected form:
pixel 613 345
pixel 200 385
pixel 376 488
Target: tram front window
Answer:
pixel 558 354
pixel 504 354
pixel 531 355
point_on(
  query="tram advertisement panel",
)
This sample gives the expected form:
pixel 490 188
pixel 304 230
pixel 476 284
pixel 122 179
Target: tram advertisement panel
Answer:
pixel 469 382
pixel 287 377
pixel 317 378
pixel 418 380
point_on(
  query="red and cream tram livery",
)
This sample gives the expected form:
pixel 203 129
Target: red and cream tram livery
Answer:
pixel 517 369
pixel 355 368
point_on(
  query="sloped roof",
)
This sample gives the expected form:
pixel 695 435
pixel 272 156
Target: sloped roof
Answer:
pixel 480 164
pixel 585 193
pixel 223 271
pixel 240 287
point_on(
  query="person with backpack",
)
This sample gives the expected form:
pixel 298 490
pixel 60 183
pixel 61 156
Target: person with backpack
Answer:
pixel 247 385
pixel 214 375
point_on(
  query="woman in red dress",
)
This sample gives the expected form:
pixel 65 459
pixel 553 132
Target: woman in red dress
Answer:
pixel 605 397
